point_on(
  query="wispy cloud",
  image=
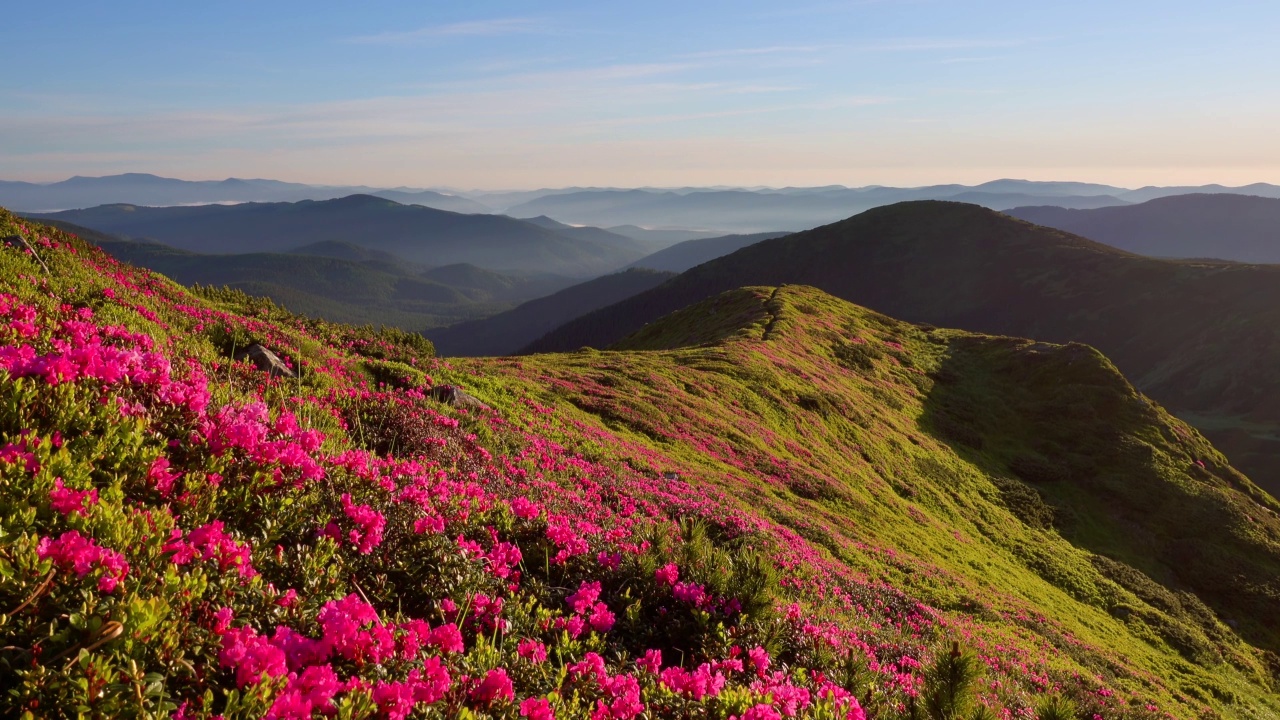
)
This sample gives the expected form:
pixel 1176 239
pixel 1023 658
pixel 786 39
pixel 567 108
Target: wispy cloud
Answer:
pixel 930 44
pixel 769 50
pixel 964 60
pixel 473 28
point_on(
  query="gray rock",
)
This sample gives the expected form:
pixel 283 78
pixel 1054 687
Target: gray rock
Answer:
pixel 455 396
pixel 265 360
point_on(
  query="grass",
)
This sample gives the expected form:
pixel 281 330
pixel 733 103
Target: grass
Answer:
pixel 872 490
pixel 1001 479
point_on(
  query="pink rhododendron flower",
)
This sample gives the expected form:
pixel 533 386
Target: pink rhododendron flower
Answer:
pixel 15 454
pixel 585 597
pixel 591 665
pixel 537 709
pixel 624 703
pixel 651 662
pixel 697 684
pixel 448 638
pixel 667 574
pixel 502 558
pixel 211 542
pixel 73 551
pixel 532 650
pixel 495 687
pixel 759 712
pixel 691 593
pixel 251 656
pixel 759 658
pixel 573 625
pixel 71 502
pixel 525 508
pixel 369 525
pixel 222 620
pixel 161 477
pixel 602 618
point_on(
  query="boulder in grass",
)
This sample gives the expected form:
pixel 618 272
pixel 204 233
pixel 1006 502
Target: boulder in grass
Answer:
pixel 265 360
pixel 455 396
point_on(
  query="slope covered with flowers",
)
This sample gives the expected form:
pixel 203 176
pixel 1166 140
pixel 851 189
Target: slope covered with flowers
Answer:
pixel 186 536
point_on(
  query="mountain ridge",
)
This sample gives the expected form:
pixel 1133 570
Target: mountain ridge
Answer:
pixel 1241 228
pixel 416 233
pixel 964 266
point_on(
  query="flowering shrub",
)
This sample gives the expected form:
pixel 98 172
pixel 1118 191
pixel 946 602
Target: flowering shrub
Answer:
pixel 182 535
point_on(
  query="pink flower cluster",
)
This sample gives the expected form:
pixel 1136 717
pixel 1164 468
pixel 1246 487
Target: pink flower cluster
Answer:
pixel 621 693
pixel 369 524
pixel 211 542
pixel 75 552
pixel 247 432
pixel 71 502
pixel 584 603
pixel 351 630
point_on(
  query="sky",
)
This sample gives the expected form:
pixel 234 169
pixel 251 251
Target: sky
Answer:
pixel 510 95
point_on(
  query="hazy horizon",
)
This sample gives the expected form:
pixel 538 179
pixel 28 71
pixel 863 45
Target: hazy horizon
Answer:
pixel 534 188
pixel 520 95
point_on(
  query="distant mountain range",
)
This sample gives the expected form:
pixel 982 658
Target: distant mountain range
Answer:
pixel 759 211
pixel 1232 227
pixel 507 332
pixel 145 189
pixel 1203 338
pixel 341 282
pixel 422 235
pixel 658 214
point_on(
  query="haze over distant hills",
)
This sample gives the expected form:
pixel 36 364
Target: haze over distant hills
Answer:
pixel 1232 227
pixel 341 282
pixel 418 234
pixel 507 332
pixel 146 189
pixel 682 256
pixel 959 265
pixel 654 214
pixel 746 211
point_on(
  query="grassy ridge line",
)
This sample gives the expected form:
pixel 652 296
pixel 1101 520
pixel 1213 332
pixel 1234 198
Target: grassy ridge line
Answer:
pixel 868 461
pixel 1198 336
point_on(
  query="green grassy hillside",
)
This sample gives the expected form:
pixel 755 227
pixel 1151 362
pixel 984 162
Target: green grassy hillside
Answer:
pixel 1202 338
pixel 773 504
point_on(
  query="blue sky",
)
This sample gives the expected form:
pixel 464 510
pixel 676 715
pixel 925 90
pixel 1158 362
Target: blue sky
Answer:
pixel 522 94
